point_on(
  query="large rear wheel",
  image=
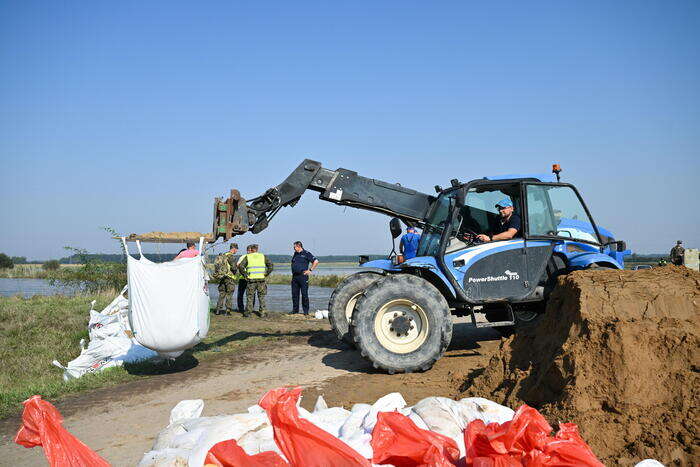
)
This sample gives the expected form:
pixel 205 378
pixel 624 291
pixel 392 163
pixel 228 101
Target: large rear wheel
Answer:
pixel 402 323
pixel 343 300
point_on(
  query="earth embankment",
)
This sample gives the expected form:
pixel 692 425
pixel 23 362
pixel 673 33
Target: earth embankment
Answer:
pixel 617 353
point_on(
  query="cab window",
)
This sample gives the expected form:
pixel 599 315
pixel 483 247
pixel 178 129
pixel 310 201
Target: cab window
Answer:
pixel 557 211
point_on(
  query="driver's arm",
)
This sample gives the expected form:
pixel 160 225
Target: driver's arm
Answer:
pixel 507 235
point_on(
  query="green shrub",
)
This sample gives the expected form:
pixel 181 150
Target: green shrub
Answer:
pixel 51 265
pixel 6 262
pixel 93 276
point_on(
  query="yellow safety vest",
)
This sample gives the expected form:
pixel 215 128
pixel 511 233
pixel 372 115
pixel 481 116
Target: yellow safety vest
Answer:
pixel 256 266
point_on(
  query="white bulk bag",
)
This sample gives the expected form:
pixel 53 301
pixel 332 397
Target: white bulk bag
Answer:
pixel 168 302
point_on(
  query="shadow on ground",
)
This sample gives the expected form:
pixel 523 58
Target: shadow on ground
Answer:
pixel 465 343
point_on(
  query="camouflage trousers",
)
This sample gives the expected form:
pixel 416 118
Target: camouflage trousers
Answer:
pixel 254 287
pixel 226 288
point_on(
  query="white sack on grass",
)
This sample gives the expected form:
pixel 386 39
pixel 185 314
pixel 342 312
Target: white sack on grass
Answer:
pixel 168 303
pixel 110 342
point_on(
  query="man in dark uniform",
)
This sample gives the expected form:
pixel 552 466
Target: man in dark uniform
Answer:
pixel 509 223
pixel 300 277
pixel 678 253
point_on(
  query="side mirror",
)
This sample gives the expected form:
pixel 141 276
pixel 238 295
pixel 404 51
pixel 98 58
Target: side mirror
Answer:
pixel 621 245
pixel 363 259
pixel 395 227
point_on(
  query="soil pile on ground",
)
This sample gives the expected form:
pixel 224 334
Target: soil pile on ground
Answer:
pixel 170 237
pixel 617 353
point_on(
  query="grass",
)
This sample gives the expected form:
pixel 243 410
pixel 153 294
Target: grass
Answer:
pixel 35 331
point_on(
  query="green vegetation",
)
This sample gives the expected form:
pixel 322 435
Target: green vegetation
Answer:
pixel 51 265
pixel 6 262
pixel 35 331
pixel 92 276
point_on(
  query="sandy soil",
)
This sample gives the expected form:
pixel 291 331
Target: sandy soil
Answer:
pixel 120 423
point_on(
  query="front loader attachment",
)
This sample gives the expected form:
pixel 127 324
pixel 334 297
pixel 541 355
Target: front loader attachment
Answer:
pixel 230 217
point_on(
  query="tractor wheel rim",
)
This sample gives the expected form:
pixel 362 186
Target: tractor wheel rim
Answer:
pixel 401 326
pixel 350 306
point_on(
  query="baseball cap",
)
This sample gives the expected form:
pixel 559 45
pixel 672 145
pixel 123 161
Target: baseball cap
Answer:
pixel 504 203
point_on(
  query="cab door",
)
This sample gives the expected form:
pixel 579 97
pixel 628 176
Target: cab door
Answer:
pixel 538 219
pixel 555 216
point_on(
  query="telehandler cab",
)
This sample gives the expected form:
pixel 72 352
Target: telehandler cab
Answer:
pixel 399 314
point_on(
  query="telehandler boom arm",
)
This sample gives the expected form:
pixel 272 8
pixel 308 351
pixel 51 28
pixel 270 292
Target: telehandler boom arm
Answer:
pixel 235 215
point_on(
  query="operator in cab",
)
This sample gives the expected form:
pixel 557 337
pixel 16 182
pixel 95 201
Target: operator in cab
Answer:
pixel 509 223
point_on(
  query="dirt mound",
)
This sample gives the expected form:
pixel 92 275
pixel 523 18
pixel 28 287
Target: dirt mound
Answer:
pixel 617 353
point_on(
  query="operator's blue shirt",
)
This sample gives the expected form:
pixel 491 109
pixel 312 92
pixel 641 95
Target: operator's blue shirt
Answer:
pixel 301 261
pixel 410 245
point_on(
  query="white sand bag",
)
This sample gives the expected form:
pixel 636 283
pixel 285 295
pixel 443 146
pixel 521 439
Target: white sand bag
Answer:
pixel 168 303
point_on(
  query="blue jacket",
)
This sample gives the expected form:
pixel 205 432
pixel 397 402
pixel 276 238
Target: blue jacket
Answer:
pixel 410 245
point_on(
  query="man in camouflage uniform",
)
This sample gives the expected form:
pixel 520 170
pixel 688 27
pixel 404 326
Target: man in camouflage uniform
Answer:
pixel 677 253
pixel 255 267
pixel 227 284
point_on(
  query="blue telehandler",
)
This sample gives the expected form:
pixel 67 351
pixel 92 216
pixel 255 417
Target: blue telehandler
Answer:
pixel 399 313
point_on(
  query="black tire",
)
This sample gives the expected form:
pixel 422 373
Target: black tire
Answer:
pixel 416 307
pixel 349 289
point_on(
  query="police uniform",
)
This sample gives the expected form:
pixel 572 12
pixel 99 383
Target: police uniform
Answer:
pixel 255 267
pixel 300 281
pixel 677 254
pixel 227 285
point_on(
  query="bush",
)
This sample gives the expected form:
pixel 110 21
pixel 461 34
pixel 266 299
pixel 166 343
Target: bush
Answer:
pixel 92 277
pixel 51 265
pixel 6 262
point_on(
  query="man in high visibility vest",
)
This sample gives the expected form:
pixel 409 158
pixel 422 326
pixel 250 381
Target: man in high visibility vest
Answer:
pixel 255 267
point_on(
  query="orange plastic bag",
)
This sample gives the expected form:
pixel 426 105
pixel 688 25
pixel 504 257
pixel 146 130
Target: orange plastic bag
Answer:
pixel 302 442
pixel 41 426
pixel 525 440
pixel 230 454
pixel 397 440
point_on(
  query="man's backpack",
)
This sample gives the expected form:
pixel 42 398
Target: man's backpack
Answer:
pixel 222 268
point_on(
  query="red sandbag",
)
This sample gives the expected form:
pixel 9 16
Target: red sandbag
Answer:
pixel 41 426
pixel 525 440
pixel 302 442
pixel 229 454
pixel 398 441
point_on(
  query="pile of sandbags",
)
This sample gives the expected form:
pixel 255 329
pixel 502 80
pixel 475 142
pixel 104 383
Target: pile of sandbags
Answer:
pixel 388 432
pixel 111 341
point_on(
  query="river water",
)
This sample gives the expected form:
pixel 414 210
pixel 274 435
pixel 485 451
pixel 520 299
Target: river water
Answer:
pixel 279 296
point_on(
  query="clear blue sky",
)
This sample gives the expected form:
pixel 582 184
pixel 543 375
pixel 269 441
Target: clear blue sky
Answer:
pixel 136 114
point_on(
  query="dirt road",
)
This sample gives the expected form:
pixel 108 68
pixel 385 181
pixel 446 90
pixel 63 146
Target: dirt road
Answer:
pixel 120 423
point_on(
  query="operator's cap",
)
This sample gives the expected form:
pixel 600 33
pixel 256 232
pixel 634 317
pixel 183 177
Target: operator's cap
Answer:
pixel 504 203
pixel 411 229
pixel 233 245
